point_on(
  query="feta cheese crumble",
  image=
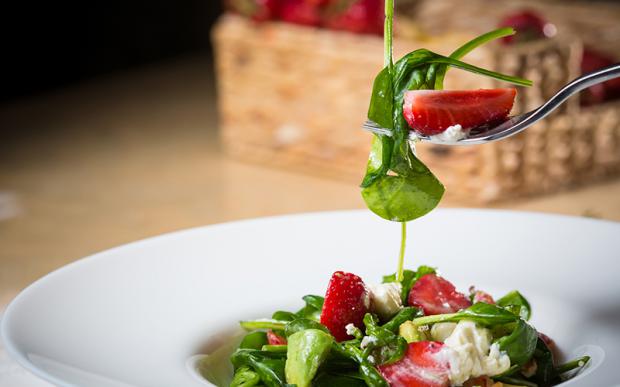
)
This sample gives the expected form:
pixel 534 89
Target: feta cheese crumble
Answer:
pixel 385 299
pixel 366 340
pixel 350 327
pixel 451 134
pixel 469 352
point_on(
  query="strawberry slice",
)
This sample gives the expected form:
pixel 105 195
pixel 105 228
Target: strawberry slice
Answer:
pixel 275 339
pixel 435 295
pixel 346 301
pixel 430 112
pixel 422 366
pixel 482 296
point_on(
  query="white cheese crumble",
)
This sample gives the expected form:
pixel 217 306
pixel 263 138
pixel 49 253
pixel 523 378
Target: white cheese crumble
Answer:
pixel 385 299
pixel 451 134
pixel 366 340
pixel 350 327
pixel 469 352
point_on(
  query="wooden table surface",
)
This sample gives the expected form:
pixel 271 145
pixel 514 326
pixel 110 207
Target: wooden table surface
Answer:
pixel 135 155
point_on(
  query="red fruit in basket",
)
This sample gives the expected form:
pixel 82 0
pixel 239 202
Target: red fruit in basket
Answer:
pixel 435 295
pixel 529 26
pixel 275 339
pixel 300 12
pixel 593 60
pixel 259 10
pixel 346 301
pixel 431 112
pixel 422 366
pixel 361 16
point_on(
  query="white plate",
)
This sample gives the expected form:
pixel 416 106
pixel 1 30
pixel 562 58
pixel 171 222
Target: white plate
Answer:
pixel 134 315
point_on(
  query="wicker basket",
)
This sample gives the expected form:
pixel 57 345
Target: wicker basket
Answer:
pixel 295 97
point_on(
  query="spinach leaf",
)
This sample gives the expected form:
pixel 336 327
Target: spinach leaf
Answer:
pixel 411 190
pixel 302 324
pixel 282 315
pixel 351 350
pixel 254 340
pixel 405 314
pixel 312 309
pixel 409 279
pixel 268 365
pixel 520 344
pixel 481 313
pixel 245 377
pixel 517 304
pixel 306 352
pixel 386 345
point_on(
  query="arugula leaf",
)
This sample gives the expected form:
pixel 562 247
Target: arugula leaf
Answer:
pixel 481 313
pixel 517 304
pixel 520 344
pixel 313 308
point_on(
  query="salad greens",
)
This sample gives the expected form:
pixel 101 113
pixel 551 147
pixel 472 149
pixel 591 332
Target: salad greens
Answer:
pixel 311 356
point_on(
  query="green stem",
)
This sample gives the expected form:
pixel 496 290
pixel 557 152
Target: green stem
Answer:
pixel 401 255
pixel 437 318
pixel 387 35
pixel 275 348
pixel 470 46
pixel 571 365
pixel 262 324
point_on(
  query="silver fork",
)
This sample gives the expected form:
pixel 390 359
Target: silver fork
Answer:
pixel 515 124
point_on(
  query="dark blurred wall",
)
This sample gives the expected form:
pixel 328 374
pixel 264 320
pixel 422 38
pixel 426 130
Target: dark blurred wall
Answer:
pixel 47 45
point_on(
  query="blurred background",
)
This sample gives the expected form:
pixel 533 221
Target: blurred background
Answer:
pixel 122 120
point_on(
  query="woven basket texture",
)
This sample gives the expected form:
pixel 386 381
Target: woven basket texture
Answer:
pixel 295 97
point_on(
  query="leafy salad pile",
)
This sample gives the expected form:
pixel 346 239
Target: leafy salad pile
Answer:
pixel 314 347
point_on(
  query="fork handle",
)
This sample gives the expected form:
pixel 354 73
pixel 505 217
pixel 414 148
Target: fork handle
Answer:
pixel 585 81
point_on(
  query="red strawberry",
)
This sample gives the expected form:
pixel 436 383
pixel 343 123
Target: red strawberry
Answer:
pixel 275 339
pixel 421 366
pixel 361 16
pixel 346 301
pixel 300 12
pixel 431 112
pixel 435 295
pixel 529 26
pixel 259 10
pixel 480 296
pixel 593 60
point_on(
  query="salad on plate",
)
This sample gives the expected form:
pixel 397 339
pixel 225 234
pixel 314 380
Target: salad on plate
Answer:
pixel 414 329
